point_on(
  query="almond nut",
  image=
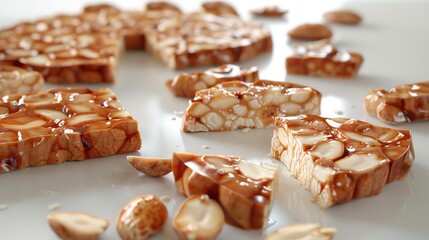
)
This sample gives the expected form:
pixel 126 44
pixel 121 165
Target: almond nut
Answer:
pixel 142 217
pixel 310 32
pixel 154 167
pixel 307 231
pixel 199 217
pixel 343 17
pixel 81 226
pixel 360 162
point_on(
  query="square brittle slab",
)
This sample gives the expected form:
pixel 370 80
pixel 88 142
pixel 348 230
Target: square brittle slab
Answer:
pixel 61 125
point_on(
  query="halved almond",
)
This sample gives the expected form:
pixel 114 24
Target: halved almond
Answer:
pixel 199 217
pixel 69 225
pixel 154 167
pixel 307 231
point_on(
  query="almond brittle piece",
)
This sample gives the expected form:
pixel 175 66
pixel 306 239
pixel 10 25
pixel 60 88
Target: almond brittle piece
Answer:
pixel 15 80
pixel 402 104
pixel 199 39
pixel 323 61
pixel 235 105
pixel 244 189
pixel 63 49
pixel 341 159
pixel 186 84
pixel 61 125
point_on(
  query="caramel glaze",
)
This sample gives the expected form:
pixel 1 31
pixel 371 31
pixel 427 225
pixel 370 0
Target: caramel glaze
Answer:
pixel 22 109
pixel 259 192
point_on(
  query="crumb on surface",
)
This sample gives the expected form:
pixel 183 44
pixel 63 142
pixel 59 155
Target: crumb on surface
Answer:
pixel 246 130
pixel 206 147
pixel 178 113
pixel 165 198
pixel 53 206
pixel 339 112
pixel 173 118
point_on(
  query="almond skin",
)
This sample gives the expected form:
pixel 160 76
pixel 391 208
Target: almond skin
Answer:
pixel 310 31
pixel 141 218
pixel 343 17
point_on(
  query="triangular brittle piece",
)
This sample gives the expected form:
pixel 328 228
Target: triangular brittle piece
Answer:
pixel 340 159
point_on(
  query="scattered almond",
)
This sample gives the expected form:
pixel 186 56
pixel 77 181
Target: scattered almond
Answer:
pixel 308 231
pixel 142 217
pixel 77 225
pixel 343 17
pixel 154 167
pixel 199 217
pixel 310 32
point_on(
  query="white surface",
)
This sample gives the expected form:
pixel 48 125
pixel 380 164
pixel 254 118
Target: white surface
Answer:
pixel 394 41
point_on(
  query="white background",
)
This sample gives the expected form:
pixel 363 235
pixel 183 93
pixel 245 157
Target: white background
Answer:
pixel 393 39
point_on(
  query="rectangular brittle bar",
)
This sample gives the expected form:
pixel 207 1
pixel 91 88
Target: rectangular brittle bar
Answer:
pixel 341 159
pixel 15 80
pixel 198 39
pixel 58 49
pixel 244 189
pixel 186 84
pixel 234 105
pixel 401 104
pixel 323 61
pixel 61 125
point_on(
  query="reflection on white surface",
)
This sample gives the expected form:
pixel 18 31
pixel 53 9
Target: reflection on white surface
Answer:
pixel 103 186
pixel 333 106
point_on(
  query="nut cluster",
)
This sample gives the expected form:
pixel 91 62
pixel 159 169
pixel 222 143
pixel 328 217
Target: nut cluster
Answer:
pixel 15 80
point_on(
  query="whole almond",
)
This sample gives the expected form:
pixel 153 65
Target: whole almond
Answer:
pixel 343 17
pixel 310 31
pixel 141 217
